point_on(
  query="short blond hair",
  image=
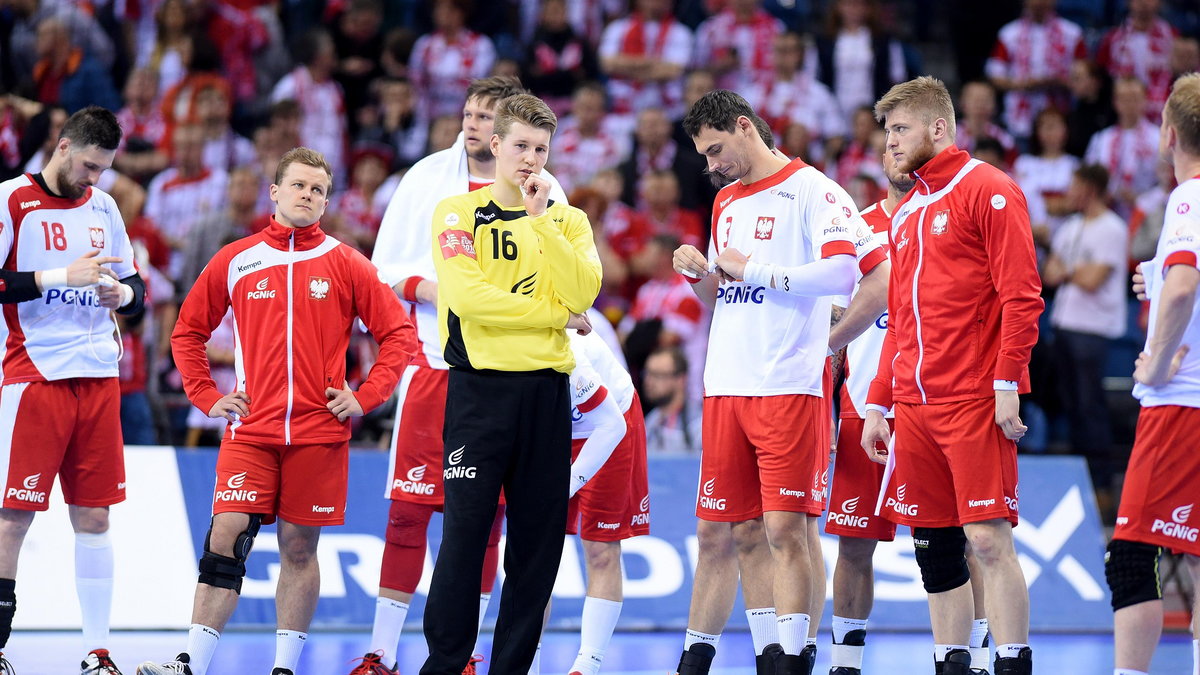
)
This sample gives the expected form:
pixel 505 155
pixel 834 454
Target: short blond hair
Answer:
pixel 526 109
pixel 925 95
pixel 308 157
pixel 1182 112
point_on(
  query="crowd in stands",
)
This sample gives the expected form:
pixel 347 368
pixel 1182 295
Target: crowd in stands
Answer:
pixel 210 93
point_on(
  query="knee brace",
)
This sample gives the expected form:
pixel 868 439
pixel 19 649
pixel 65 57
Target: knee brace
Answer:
pixel 224 571
pixel 1131 569
pixel 941 555
pixel 408 523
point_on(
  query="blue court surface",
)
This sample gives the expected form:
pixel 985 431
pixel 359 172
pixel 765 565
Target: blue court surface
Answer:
pixel 333 653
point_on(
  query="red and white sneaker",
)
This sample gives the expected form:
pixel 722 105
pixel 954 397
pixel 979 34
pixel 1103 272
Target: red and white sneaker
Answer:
pixel 98 662
pixel 6 667
pixel 470 669
pixel 372 664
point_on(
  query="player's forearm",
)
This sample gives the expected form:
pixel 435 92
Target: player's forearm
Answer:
pixel 471 297
pixel 1175 305
pixel 609 429
pixel 574 267
pixel 865 307
pixel 19 286
pixel 827 276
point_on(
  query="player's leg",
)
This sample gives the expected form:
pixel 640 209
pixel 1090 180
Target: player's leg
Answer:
pixel 601 607
pixel 1004 583
pixel 941 557
pixel 487 584
pixel 981 653
pixel 819 586
pixel 399 573
pixel 93 572
pixel 714 589
pixel 1131 569
pixel 14 525
pixel 787 534
pixel 1193 563
pixel 757 572
pixel 297 591
pixel 853 598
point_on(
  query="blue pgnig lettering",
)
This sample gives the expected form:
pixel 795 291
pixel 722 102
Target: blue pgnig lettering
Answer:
pixel 741 293
pixel 72 296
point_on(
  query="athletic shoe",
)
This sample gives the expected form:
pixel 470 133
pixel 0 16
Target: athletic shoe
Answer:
pixel 372 664
pixel 696 660
pixel 470 669
pixel 844 670
pixel 282 671
pixel 764 664
pixel 177 667
pixel 958 662
pixel 1021 664
pixel 98 662
pixel 6 667
pixel 809 654
pixel 980 671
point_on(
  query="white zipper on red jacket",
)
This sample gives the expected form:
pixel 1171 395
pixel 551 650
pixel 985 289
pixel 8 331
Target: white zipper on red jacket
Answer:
pixel 287 418
pixel 916 306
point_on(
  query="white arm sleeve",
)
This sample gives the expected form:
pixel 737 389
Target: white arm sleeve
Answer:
pixel 828 276
pixel 608 432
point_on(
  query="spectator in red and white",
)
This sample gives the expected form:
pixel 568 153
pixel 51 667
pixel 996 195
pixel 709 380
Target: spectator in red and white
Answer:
pixel 660 199
pixel 558 60
pixel 224 148
pixel 240 34
pixel 1129 148
pixel 185 192
pixel 358 40
pixel 1031 62
pixel 65 75
pixel 654 148
pixel 171 53
pixel 736 44
pixel 644 56
pixel 615 269
pixel 776 98
pixel 977 103
pixel 1045 173
pixel 1141 48
pixel 859 158
pixel 584 145
pixel 855 57
pixel 322 110
pixel 1091 105
pixel 587 17
pixel 624 228
pixel 393 119
pixel 228 223
pixel 445 61
pixel 144 127
pixel 354 219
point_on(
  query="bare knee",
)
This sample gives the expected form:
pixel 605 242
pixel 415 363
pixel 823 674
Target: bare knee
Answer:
pixel 990 542
pixel 89 520
pixel 224 531
pixel 14 522
pixel 788 534
pixel 298 544
pixel 603 557
pixel 855 552
pixel 716 541
pixel 748 537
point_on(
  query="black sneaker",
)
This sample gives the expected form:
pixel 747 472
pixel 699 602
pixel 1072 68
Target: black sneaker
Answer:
pixel 696 660
pixel 98 662
pixel 1021 664
pixel 844 670
pixel 764 664
pixel 177 667
pixel 282 671
pixel 6 667
pixel 958 662
pixel 797 664
pixel 809 654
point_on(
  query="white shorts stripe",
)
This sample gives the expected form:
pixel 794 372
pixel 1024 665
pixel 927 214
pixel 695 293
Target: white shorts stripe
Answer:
pixel 10 402
pixel 401 396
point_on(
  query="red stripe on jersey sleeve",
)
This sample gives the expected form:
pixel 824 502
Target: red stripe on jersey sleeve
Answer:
pixel 832 248
pixel 1179 258
pixel 871 260
pixel 593 402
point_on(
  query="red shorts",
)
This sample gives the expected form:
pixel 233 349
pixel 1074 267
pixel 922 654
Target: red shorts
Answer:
pixel 856 481
pixel 415 466
pixel 615 503
pixel 69 428
pixel 1162 483
pixel 762 453
pixel 303 484
pixel 953 466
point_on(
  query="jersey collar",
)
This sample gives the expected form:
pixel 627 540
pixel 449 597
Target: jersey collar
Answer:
pixel 939 171
pixel 305 237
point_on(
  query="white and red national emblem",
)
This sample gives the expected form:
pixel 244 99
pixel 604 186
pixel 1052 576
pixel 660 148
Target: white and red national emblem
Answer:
pixel 765 227
pixel 97 235
pixel 940 222
pixel 318 288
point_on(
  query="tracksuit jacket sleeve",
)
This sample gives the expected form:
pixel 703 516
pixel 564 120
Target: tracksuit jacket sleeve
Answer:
pixel 880 392
pixel 467 291
pixel 384 316
pixel 572 258
pixel 199 315
pixel 1013 265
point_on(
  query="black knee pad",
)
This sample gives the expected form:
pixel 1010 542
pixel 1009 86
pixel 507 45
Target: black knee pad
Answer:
pixel 224 571
pixel 942 556
pixel 1131 569
pixel 8 609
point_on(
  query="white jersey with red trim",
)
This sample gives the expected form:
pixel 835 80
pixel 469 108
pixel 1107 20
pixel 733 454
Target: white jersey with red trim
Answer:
pixel 763 341
pixel 1179 244
pixel 65 333
pixel 175 203
pixel 862 354
pixel 597 374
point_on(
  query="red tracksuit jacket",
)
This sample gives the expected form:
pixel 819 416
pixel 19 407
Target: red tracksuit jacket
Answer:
pixel 965 296
pixel 294 293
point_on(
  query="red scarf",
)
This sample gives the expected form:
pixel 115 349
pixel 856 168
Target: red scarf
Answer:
pixel 634 43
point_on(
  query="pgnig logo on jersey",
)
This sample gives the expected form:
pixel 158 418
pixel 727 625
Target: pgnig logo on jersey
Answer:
pixel 707 501
pixel 643 515
pixel 846 517
pixel 1177 527
pixel 73 296
pixel 735 294
pixel 897 503
pixel 454 470
pixel 413 482
pixel 234 490
pixel 28 491
pixel 260 291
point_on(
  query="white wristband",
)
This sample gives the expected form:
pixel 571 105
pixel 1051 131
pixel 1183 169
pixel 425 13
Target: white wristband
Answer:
pixel 55 278
pixel 759 274
pixel 1004 385
pixel 877 408
pixel 126 294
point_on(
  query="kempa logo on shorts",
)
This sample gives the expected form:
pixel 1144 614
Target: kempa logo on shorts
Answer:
pixel 643 517
pixel 322 509
pixel 454 470
pixel 784 492
pixel 414 484
pixel 29 493
pixel 976 503
pixel 607 526
pixel 235 493
pixel 260 291
pixel 1177 528
pixel 846 517
pixel 897 503
pixel 706 499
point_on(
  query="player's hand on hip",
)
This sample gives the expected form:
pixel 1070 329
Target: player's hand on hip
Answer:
pixel 876 437
pixel 342 403
pixel 87 268
pixel 231 406
pixel 1146 371
pixel 1008 418
pixel 732 263
pixel 537 194
pixel 1139 283
pixel 688 261
pixel 580 323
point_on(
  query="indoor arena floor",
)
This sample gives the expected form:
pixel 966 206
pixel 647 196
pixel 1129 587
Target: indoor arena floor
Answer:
pixel 332 653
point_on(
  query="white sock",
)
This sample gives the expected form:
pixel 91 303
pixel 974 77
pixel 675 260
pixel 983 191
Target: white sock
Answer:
pixel 844 655
pixel 288 644
pixel 202 642
pixel 1127 671
pixel 940 651
pixel 810 641
pixel 843 625
pixel 793 631
pixel 1195 655
pixel 389 622
pixel 764 628
pixel 599 621
pixel 94 585
pixel 485 599
pixel 535 668
pixel 981 654
pixel 1010 651
pixel 693 637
